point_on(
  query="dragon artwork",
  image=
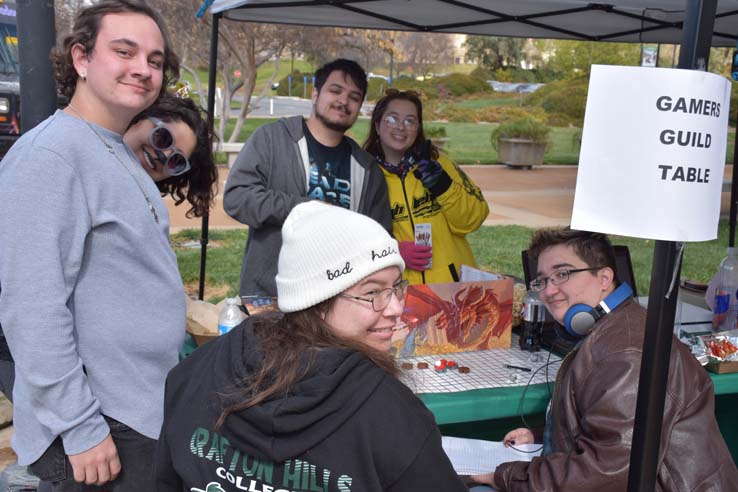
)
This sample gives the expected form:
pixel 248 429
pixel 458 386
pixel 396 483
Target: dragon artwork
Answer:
pixel 473 318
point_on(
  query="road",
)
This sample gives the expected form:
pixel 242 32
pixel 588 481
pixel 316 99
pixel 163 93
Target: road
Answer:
pixel 279 106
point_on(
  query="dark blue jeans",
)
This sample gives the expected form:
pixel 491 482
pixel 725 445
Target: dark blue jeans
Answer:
pixel 136 453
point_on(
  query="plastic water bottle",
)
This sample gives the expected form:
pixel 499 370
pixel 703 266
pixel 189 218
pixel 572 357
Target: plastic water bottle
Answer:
pixel 725 307
pixel 534 315
pixel 230 316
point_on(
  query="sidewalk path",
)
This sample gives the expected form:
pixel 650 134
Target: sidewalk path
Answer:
pixel 534 198
pixel 542 196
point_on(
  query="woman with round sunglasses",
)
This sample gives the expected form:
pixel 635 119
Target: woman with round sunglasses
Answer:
pixel 172 140
pixel 307 399
pixel 425 187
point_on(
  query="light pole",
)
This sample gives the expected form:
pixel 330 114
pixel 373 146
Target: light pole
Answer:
pixel 392 66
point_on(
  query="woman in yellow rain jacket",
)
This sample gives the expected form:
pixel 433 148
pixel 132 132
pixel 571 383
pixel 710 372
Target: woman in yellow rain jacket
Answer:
pixel 425 187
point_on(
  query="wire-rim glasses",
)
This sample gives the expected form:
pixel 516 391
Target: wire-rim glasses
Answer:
pixel 380 299
pixel 409 123
pixel 557 277
pixel 161 139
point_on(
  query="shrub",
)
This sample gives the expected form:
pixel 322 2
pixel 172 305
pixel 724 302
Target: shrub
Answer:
pixel 435 132
pixel 428 91
pixel 489 115
pixel 433 111
pixel 376 88
pixel 482 74
pixel 567 97
pixel 459 115
pixel 297 85
pixel 527 127
pixel 459 84
pixel 501 114
pixel 511 113
pixel 523 75
pixel 559 119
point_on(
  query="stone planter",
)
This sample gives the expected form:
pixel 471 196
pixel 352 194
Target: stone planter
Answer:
pixel 520 152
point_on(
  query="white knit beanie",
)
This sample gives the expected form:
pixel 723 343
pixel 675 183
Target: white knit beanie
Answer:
pixel 325 250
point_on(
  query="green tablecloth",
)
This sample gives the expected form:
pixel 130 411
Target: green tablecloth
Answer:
pixel 489 413
pixel 496 403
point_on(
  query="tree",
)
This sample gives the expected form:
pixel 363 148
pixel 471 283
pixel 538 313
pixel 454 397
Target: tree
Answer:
pixel 368 48
pixel 65 12
pixel 242 49
pixel 423 50
pixel 493 53
pixel 572 58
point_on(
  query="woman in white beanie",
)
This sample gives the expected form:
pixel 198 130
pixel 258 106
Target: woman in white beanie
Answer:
pixel 307 399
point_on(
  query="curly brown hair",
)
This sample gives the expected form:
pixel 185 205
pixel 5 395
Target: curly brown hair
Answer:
pixel 196 185
pixel 86 28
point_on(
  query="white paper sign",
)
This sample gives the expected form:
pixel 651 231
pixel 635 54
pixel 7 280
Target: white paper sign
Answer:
pixel 653 153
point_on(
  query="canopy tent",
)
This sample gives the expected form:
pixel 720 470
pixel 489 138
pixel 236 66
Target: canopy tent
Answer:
pixel 655 21
pixel 695 24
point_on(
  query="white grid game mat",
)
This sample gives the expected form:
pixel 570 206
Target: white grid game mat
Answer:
pixel 486 370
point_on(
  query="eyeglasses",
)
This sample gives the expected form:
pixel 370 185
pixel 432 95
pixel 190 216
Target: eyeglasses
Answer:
pixel 380 299
pixel 558 277
pixel 395 122
pixel 161 139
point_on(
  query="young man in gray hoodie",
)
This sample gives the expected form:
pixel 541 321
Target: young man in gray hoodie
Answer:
pixel 295 160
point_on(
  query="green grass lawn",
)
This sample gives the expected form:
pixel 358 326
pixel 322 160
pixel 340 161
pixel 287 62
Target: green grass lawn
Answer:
pixel 496 248
pixel 469 143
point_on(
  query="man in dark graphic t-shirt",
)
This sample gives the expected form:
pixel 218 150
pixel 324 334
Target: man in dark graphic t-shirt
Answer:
pixel 295 160
pixel 330 172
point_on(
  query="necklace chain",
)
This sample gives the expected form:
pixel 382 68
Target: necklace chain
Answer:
pixel 110 149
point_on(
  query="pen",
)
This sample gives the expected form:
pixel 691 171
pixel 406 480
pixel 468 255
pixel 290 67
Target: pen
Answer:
pixel 509 366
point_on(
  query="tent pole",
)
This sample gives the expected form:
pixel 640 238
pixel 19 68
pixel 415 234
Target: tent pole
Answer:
pixel 211 122
pixel 734 192
pixel 694 54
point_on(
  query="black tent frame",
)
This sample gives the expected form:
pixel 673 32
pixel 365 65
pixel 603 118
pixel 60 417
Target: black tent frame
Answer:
pixel 696 40
pixel 649 23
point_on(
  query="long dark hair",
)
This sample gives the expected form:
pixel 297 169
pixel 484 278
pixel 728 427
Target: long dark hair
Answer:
pixel 373 144
pixel 289 342
pixel 198 184
pixel 84 32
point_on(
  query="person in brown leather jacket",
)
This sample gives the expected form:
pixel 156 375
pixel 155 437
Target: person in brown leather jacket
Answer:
pixel 592 411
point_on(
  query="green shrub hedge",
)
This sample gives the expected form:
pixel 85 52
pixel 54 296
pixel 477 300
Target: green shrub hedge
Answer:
pixel 297 86
pixel 526 127
pixel 458 84
pixel 565 97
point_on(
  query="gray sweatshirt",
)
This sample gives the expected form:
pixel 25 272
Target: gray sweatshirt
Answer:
pixel 270 177
pixel 92 303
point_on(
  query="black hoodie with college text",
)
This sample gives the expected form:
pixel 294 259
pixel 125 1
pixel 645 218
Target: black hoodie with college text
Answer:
pixel 347 426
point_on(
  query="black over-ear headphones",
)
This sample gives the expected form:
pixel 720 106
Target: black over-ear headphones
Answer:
pixel 580 318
